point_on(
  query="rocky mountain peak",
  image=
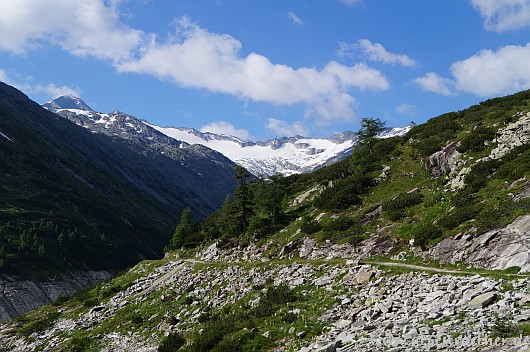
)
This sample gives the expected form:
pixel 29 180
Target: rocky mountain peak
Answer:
pixel 67 102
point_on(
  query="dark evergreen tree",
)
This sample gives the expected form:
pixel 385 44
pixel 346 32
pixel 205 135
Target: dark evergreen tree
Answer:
pixel 183 231
pixel 242 205
pixel 370 128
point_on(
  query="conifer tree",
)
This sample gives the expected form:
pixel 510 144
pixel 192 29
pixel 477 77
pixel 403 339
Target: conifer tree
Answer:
pixel 183 230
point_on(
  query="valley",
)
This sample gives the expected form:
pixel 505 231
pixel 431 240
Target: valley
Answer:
pixel 415 242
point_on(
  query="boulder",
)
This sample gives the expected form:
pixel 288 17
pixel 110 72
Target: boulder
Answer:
pixel 307 247
pixel 482 300
pixel 445 160
pixel 363 276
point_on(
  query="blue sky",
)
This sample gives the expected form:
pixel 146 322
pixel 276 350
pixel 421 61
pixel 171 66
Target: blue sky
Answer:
pixel 262 69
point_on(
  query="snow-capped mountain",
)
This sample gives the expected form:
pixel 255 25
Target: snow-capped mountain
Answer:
pixel 286 155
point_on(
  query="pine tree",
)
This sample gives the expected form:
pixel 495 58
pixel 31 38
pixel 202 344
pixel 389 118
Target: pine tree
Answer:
pixel 183 231
pixel 42 250
pixel 370 128
pixel 242 200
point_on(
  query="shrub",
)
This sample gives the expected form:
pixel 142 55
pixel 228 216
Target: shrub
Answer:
pixel 39 325
pixel 273 297
pixel 458 216
pixel 475 140
pixel 234 342
pixel 171 343
pixel 514 164
pixel 479 175
pixel 396 215
pixel 341 223
pixel 428 146
pixel 343 194
pixel 79 344
pixel 425 233
pixel 403 201
pixel 213 333
pixel 501 214
pixel 309 226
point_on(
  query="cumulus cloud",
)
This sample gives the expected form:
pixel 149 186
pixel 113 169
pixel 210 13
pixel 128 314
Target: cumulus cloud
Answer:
pixel 223 127
pixel 283 128
pixel 295 19
pixel 194 57
pixel 189 57
pixel 433 82
pixel 503 15
pixel 374 52
pixel 488 72
pixel 51 90
pixel 81 27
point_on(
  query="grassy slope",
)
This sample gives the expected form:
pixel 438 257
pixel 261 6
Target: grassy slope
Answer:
pixel 406 173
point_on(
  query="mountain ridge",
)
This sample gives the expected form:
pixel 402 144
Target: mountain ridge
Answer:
pixel 76 200
pixel 284 155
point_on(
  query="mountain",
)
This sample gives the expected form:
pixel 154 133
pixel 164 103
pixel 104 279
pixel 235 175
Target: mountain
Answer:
pixel 286 156
pixel 67 102
pixel 412 243
pixel 74 200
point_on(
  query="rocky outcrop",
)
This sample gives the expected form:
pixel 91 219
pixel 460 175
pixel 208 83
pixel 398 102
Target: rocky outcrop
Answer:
pixel 445 161
pixel 20 296
pixel 513 135
pixel 495 250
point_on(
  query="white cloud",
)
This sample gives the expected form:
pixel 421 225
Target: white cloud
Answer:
pixel 51 90
pixel 54 91
pixel 190 57
pixel 503 15
pixel 488 72
pixel 407 109
pixel 432 82
pixel 295 19
pixel 283 128
pixel 223 127
pixel 81 27
pixel 374 52
pixel 194 57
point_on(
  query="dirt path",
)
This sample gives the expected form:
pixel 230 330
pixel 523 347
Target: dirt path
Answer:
pixel 438 270
pixel 418 267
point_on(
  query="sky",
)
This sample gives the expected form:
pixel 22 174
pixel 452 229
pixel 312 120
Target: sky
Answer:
pixel 265 69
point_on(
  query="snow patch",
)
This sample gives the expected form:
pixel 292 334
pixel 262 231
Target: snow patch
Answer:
pixel 6 137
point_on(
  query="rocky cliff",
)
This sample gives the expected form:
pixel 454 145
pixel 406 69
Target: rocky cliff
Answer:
pixel 20 296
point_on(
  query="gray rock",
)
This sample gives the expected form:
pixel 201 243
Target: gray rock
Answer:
pixel 482 300
pixel 307 247
pixel 445 160
pixel 363 276
pixel 494 250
